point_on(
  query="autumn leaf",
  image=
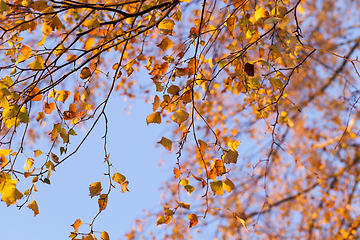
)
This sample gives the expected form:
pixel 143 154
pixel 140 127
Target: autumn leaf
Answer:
pixel 9 193
pixel 261 13
pixel 249 69
pixel 220 168
pixel 38 64
pixel 166 26
pixel 95 189
pixel 202 146
pixel 230 23
pixel 124 187
pixel 217 187
pixel 92 23
pixel 28 164
pixel 230 156
pixel 166 143
pixel 33 206
pixel 180 116
pixel 193 220
pixel 233 145
pixel 156 103
pixel 165 44
pixel 85 73
pixel 184 205
pixel 62 95
pixel 176 173
pixel 54 158
pixel 242 221
pixel 276 84
pixel 104 236
pixel 77 224
pixel 34 95
pixel 71 58
pixel 228 185
pixel 103 199
pixel 153 118
pixel 119 178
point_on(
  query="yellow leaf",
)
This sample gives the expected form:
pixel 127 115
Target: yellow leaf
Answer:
pixel 217 187
pixel 166 26
pixel 71 57
pixel 279 11
pixel 33 206
pixel 34 95
pixel 62 95
pixel 184 182
pixel 124 187
pixel 261 13
pixel 37 153
pixel 49 107
pixel 119 178
pixel 220 168
pixel 104 236
pixel 166 143
pixel 233 145
pixel 156 103
pixel 228 185
pixel 76 224
pixel 89 43
pixel 3 161
pixel 42 41
pixel 92 23
pixel 230 23
pixel 103 199
pixel 242 221
pixel 193 220
pixel 40 116
pixel 28 164
pixel 59 50
pixel 9 194
pixel 165 44
pixel 38 64
pixel 180 116
pixel 203 146
pixel 5 152
pixel 153 118
pixel 230 156
pixel 95 189
pixel 85 73
pixel 88 237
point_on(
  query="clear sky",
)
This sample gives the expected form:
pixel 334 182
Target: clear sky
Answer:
pixel 132 147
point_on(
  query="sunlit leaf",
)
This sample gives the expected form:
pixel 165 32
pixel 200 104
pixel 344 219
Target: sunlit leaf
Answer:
pixel 153 118
pixel 165 44
pixel 95 189
pixel 28 164
pixel 166 143
pixel 104 236
pixel 37 64
pixel 124 187
pixel 92 23
pixel 102 201
pixel 176 173
pixel 33 206
pixel 217 187
pixel 166 26
pixel 77 224
pixel 261 13
pixel 62 95
pixel 119 178
pixel 193 220
pixel 242 221
pixel 85 73
pixel 180 116
pixel 228 185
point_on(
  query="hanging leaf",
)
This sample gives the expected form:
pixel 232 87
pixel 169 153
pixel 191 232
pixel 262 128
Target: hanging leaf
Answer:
pixel 217 187
pixel 180 116
pixel 103 199
pixel 85 73
pixel 104 236
pixel 166 26
pixel 249 69
pixel 119 178
pixel 193 220
pixel 154 118
pixel 62 95
pixel 77 224
pixel 124 187
pixel 165 44
pixel 228 185
pixel 38 64
pixel 33 206
pixel 95 189
pixel 166 143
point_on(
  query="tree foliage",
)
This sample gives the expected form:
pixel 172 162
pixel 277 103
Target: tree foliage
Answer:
pixel 262 98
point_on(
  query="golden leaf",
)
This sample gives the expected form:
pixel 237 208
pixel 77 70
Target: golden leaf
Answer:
pixel 119 178
pixel 124 187
pixel 77 224
pixel 261 13
pixel 166 143
pixel 104 236
pixel 193 220
pixel 153 118
pixel 92 23
pixel 242 221
pixel 28 164
pixel 156 103
pixel 103 199
pixel 95 189
pixel 165 44
pixel 62 95
pixel 33 206
pixel 166 26
pixel 180 116
pixel 228 185
pixel 217 187
pixel 37 153
pixel 38 64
